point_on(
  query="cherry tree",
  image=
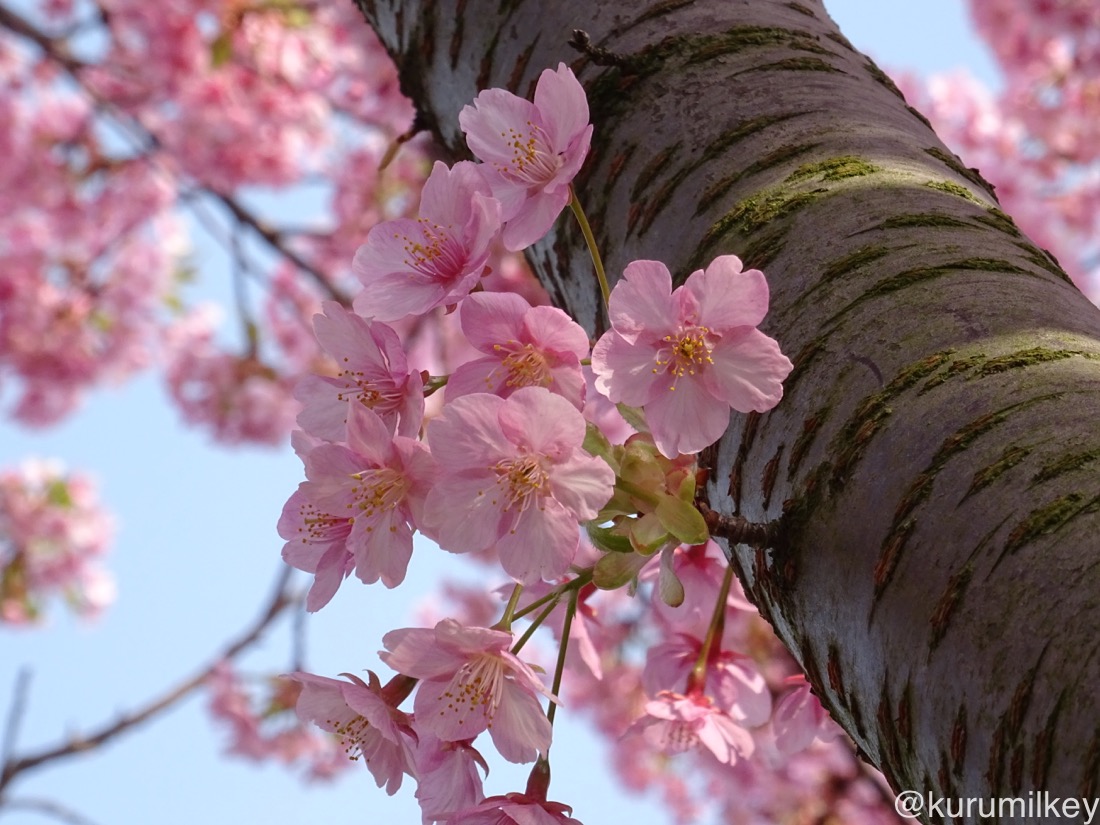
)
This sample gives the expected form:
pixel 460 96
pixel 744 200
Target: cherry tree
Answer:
pixel 900 518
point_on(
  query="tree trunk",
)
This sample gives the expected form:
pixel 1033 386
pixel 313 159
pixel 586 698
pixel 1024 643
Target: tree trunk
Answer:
pixel 935 456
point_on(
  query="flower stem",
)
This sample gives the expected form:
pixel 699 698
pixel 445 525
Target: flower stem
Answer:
pixel 505 622
pixel 590 239
pixel 559 669
pixel 539 619
pixel 583 578
pixel 713 639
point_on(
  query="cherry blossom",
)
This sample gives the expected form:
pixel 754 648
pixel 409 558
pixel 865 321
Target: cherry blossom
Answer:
pixel 524 346
pixel 377 484
pixel 532 151
pixel 687 356
pixel 675 723
pixel 471 682
pixel 257 723
pixel 513 476
pixel 373 373
pixel 53 536
pixel 732 681
pixel 409 267
pixel 364 720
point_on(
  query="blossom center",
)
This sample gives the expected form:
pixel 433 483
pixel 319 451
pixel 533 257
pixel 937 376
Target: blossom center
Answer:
pixel 526 366
pixel 684 353
pixel 533 161
pixel 352 732
pixel 319 527
pixel 435 253
pixel 378 491
pixel 384 396
pixel 476 686
pixel 521 479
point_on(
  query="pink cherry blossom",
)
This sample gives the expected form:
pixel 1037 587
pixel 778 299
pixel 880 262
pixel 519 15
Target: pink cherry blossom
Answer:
pixel 256 724
pixel 373 372
pixel 675 723
pixel 367 724
pixel 687 356
pixel 732 680
pixel 514 809
pixel 409 267
pixel 377 484
pixel 514 477
pixel 471 682
pixel 53 536
pixel 525 346
pixel 532 150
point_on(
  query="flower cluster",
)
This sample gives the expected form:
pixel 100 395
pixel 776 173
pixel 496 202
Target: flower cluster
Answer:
pixel 511 470
pixel 53 535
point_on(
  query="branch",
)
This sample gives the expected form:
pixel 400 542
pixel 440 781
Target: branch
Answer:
pixel 15 714
pixel 78 743
pixel 739 530
pixel 277 241
pixel 47 807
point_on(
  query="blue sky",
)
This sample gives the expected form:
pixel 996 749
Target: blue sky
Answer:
pixel 197 552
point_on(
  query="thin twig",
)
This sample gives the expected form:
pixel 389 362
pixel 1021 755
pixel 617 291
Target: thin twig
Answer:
pixel 47 807
pixel 15 713
pixel 79 743
pixel 276 240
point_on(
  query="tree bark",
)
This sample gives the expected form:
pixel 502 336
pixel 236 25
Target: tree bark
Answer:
pixel 934 460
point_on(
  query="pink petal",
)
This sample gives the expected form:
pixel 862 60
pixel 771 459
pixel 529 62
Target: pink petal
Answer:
pixel 542 422
pixel 686 419
pixel 332 568
pixel 369 436
pixel 561 101
pixel 728 297
pixel 491 318
pixel 625 371
pixel 542 545
pixel 583 484
pixel 416 652
pixel 535 217
pixel 520 729
pixel 552 330
pixel 493 113
pixel 448 193
pixel 463 513
pixel 747 371
pixel 642 301
pixel 383 547
pixel 468 433
pixel 481 375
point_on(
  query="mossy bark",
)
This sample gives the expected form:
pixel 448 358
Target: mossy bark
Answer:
pixel 934 456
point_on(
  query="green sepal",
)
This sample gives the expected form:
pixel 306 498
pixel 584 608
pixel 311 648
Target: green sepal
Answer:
pixel 613 570
pixel 608 539
pixel 682 519
pixel 669 586
pixel 648 535
pixel 596 443
pixel 634 417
